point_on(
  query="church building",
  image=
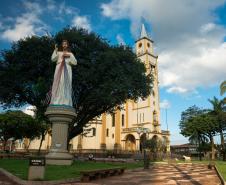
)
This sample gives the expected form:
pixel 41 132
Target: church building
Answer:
pixel 126 129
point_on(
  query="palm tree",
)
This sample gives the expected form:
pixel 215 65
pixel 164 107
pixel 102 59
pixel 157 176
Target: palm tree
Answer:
pixel 218 110
pixel 223 87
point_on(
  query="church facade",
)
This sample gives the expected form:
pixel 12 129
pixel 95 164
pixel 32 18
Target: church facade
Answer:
pixel 126 129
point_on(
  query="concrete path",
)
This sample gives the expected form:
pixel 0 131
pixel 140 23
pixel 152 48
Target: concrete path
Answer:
pixel 4 180
pixel 180 174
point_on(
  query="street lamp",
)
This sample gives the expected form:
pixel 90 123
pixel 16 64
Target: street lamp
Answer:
pixel 141 131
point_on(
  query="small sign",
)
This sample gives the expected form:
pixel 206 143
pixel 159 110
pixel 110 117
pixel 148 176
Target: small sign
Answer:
pixel 37 161
pixel 58 145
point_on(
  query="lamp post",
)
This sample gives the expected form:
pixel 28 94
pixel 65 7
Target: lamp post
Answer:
pixel 141 131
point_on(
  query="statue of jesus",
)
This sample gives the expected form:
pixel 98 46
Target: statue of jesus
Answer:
pixel 62 83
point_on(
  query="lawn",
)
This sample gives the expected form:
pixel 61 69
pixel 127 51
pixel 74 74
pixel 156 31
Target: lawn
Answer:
pixel 221 166
pixel 20 168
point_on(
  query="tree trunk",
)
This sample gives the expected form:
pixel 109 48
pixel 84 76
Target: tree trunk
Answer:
pixel 4 144
pixel 40 146
pixel 28 145
pixel 212 148
pixel 222 145
pixel 200 154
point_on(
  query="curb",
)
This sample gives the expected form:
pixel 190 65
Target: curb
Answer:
pixel 25 182
pixel 219 175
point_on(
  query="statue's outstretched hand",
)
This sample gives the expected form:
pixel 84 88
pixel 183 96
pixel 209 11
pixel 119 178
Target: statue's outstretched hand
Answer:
pixel 56 47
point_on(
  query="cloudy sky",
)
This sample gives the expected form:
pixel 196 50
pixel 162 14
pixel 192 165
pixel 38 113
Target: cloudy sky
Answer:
pixel 189 35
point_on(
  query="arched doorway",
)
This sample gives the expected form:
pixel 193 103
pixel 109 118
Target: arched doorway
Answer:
pixel 130 144
pixel 143 138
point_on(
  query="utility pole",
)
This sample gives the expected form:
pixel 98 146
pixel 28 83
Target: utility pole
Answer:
pixel 166 120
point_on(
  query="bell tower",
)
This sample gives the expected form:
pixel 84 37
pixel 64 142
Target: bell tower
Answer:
pixel 144 45
pixel 145 52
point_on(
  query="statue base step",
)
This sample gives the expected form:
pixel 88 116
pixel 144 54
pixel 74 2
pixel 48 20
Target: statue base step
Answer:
pixel 59 158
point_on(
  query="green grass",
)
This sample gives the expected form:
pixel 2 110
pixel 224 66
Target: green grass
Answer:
pixel 20 168
pixel 221 166
pixel 17 167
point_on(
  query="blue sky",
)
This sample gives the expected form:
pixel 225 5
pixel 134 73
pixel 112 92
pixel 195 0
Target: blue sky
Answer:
pixel 189 35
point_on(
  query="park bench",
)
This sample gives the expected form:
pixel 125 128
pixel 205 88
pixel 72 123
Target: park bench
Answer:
pixel 97 174
pixel 109 160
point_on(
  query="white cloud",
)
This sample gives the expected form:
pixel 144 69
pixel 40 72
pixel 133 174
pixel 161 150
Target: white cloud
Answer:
pixel 30 22
pixel 189 41
pixel 82 22
pixel 120 40
pixel 178 90
pixel 30 110
pixel 165 104
pixel 208 27
pixel 27 24
pixel 33 7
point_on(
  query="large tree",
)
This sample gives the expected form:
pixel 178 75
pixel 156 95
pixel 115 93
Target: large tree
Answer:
pixel 219 111
pixel 105 77
pixel 17 125
pixel 207 125
pixel 192 128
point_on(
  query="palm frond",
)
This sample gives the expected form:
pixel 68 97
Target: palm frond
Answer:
pixel 223 88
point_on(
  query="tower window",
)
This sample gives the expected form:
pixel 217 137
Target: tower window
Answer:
pixel 94 131
pixel 107 132
pixel 113 119
pixel 154 116
pixel 140 118
pixel 123 120
pixel 113 136
pixel 148 44
pixel 140 45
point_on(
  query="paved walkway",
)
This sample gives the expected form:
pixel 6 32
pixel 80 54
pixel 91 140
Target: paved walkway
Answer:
pixel 181 174
pixel 4 180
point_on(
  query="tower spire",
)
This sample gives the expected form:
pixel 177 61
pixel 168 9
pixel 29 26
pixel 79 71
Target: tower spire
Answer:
pixel 143 32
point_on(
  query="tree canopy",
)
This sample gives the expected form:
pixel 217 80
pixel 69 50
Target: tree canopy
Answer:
pixel 105 77
pixel 18 125
pixel 198 125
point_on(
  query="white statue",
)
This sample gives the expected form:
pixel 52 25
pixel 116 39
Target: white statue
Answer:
pixel 62 84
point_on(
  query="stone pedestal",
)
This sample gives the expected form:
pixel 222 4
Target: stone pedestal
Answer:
pixel 60 117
